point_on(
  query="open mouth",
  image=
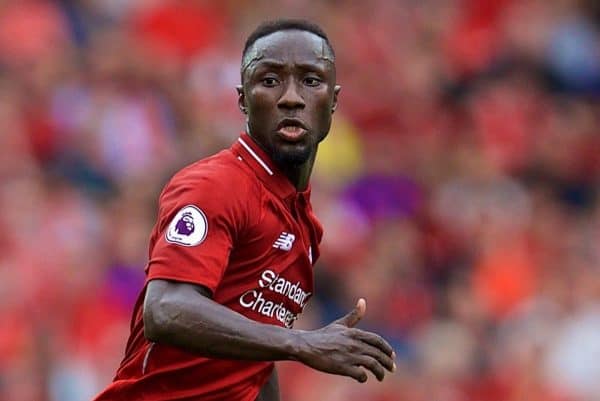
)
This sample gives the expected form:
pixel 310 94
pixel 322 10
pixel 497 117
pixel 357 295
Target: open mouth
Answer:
pixel 291 133
pixel 291 130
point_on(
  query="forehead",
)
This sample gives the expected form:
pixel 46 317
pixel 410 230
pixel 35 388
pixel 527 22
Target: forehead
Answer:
pixel 289 46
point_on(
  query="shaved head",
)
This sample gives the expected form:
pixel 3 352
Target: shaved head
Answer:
pixel 252 52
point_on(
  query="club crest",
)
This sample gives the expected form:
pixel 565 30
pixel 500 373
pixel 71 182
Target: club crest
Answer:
pixel 188 227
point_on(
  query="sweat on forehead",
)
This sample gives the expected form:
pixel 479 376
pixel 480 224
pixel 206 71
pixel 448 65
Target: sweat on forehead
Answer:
pixel 263 46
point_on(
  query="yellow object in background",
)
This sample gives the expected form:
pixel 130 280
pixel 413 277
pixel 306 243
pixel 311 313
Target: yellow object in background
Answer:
pixel 340 157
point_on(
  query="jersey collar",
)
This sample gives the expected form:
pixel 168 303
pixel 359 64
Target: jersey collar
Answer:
pixel 247 150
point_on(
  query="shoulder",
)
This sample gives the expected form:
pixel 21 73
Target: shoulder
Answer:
pixel 218 185
pixel 221 175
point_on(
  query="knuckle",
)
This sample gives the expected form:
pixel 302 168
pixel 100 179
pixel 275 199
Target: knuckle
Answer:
pixel 356 333
pixel 350 333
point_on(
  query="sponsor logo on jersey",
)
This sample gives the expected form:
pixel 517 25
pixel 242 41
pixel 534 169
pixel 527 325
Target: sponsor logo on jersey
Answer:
pixel 260 299
pixel 285 241
pixel 188 227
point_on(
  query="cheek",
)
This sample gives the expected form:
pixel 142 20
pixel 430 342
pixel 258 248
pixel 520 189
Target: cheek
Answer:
pixel 261 100
pixel 323 115
pixel 322 110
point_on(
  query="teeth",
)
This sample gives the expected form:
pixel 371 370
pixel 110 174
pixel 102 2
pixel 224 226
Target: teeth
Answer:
pixel 292 128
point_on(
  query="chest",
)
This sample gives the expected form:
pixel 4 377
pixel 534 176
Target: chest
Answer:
pixel 273 261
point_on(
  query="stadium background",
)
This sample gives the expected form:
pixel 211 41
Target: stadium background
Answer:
pixel 458 188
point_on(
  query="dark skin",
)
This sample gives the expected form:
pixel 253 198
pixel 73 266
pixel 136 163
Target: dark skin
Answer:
pixel 289 74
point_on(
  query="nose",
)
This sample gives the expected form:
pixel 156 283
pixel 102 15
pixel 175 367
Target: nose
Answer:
pixel 290 98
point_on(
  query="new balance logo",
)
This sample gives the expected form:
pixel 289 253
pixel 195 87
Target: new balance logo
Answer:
pixel 285 241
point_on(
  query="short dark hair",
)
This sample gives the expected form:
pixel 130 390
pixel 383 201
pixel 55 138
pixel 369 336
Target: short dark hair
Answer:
pixel 285 24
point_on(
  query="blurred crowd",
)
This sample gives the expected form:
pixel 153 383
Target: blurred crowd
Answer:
pixel 458 186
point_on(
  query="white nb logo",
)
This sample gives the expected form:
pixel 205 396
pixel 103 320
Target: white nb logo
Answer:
pixel 285 241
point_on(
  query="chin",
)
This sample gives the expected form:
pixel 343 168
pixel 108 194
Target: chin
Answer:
pixel 292 157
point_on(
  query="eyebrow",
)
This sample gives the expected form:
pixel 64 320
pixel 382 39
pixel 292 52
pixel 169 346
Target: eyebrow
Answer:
pixel 272 63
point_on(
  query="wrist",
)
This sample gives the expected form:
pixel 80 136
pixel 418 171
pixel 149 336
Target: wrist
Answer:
pixel 296 345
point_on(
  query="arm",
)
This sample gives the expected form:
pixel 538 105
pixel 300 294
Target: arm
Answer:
pixel 183 315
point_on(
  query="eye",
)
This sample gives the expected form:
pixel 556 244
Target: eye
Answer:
pixel 312 81
pixel 270 81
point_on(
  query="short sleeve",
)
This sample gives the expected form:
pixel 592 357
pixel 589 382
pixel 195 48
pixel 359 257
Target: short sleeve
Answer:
pixel 199 219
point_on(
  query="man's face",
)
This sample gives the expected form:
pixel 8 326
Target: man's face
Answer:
pixel 288 92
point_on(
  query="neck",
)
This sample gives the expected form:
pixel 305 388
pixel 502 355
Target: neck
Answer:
pixel 299 175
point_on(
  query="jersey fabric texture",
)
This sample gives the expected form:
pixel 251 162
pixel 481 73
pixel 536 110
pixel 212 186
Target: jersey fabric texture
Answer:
pixel 237 226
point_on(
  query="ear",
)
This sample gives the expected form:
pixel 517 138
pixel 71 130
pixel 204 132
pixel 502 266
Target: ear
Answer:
pixel 336 91
pixel 241 99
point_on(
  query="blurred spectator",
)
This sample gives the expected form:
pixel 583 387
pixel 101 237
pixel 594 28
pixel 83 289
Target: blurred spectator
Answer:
pixel 458 187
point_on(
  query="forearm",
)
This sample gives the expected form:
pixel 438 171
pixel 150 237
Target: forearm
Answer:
pixel 187 319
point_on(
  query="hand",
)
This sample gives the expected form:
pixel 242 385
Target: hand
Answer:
pixel 341 349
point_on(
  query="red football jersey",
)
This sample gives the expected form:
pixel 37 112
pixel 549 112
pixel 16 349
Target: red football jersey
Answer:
pixel 236 225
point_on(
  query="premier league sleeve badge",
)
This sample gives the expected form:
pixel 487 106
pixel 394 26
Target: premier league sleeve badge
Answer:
pixel 188 227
